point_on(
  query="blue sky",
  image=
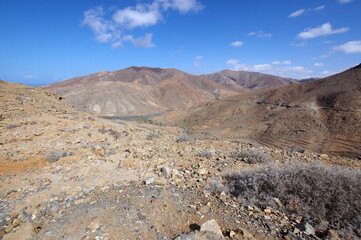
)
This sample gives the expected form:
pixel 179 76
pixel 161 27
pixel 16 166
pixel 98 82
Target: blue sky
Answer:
pixel 46 41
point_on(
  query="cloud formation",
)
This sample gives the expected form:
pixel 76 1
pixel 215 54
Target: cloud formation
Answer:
pixel 113 29
pixel 260 34
pixel 237 44
pixel 323 30
pixel 319 64
pixel 345 1
pixel 319 8
pixel 304 11
pixel 197 60
pixel 297 13
pixel 286 62
pixel 274 68
pixel 349 47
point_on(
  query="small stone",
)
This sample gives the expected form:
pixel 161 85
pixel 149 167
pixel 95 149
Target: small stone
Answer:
pixel 9 228
pixel 247 235
pixel 93 226
pixel 306 228
pixel 160 181
pixel 149 181
pixel 24 232
pixel 290 236
pixel 268 210
pixel 166 171
pixel 212 226
pixel 279 203
pixel 202 171
pixel 333 235
pixel 250 208
pixel 97 149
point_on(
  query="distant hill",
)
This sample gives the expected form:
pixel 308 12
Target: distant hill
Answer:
pixel 137 91
pixel 322 115
pixel 250 80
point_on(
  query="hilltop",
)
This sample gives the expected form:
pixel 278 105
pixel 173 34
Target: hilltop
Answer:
pixel 137 91
pixel 249 80
pixel 321 115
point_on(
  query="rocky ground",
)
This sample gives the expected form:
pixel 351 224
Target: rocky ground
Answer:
pixel 70 175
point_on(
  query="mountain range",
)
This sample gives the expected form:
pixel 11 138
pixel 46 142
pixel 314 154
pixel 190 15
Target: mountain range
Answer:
pixel 142 90
pixel 321 115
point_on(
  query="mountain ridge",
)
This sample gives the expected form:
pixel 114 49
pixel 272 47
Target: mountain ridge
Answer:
pixel 305 115
pixel 137 91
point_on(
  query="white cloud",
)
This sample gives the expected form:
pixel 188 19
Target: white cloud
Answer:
pixel 319 8
pixel 197 60
pixel 232 61
pixel 131 18
pixel 345 1
pixel 297 13
pixel 319 64
pixel 183 6
pixel 237 44
pixel 260 67
pixel 144 42
pixel 111 29
pixel 30 76
pixel 260 34
pixel 286 62
pixel 103 30
pixel 325 29
pixel 274 68
pixel 305 11
pixel 349 47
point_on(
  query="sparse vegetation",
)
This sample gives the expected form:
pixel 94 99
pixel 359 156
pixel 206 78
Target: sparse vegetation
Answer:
pixel 297 149
pixel 313 190
pixel 115 134
pixel 205 154
pixel 152 136
pixel 11 126
pixel 185 138
pixel 56 155
pixel 251 155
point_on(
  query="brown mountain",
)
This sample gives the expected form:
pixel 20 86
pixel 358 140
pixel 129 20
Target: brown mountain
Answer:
pixel 250 80
pixel 137 91
pixel 322 115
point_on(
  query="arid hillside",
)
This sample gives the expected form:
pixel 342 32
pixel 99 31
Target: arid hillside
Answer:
pixel 137 91
pixel 70 175
pixel 250 80
pixel 322 115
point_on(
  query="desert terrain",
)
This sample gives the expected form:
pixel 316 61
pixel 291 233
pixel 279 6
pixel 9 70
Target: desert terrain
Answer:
pixel 68 174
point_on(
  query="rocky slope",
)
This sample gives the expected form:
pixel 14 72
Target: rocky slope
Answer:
pixel 137 91
pixel 322 115
pixel 68 175
pixel 250 80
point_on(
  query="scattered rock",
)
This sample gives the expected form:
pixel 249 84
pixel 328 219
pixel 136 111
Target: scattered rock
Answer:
pixel 99 150
pixel 306 228
pixel 93 226
pixel 212 226
pixel 149 181
pixel 24 232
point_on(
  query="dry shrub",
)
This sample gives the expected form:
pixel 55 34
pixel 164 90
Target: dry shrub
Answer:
pixel 320 192
pixel 251 155
pixel 205 154
pixel 185 138
pixel 56 155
